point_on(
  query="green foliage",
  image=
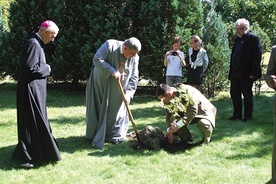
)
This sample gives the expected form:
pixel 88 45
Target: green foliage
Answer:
pixel 74 33
pixel 2 28
pixel 237 152
pixel 4 4
pixel 179 104
pixel 261 12
pixel 24 19
pixel 264 38
pixel 106 20
pixel 85 25
pixel 81 34
pixel 254 28
pixel 2 32
pixel 159 21
pixel 216 43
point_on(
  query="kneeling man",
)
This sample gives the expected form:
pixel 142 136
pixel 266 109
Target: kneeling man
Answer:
pixel 186 105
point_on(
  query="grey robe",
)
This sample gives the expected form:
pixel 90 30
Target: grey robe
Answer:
pixel 106 115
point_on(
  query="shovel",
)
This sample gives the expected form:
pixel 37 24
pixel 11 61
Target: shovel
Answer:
pixel 129 113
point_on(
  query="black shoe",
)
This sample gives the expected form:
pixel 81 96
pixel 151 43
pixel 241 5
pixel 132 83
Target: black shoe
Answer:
pixel 233 118
pixel 116 141
pixel 27 165
pixel 245 120
pixel 187 141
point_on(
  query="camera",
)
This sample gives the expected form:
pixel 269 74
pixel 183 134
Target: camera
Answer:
pixel 174 53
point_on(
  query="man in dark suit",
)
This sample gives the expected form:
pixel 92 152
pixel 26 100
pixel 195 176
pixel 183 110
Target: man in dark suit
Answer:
pixel 244 69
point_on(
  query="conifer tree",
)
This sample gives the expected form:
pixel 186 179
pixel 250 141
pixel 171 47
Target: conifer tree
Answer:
pixel 160 20
pixel 105 20
pixel 2 33
pixel 217 46
pixel 24 19
pixel 85 25
pixel 2 29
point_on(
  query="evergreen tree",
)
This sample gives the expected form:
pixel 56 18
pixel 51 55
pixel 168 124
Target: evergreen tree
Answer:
pixel 106 20
pixel 2 29
pixel 261 12
pixel 24 19
pixel 216 44
pixel 85 25
pixel 2 33
pixel 159 21
pixel 72 18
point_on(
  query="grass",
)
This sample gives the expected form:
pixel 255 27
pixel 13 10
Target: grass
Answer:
pixel 239 153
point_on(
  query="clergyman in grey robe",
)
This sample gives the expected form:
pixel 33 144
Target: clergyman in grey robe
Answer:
pixel 106 114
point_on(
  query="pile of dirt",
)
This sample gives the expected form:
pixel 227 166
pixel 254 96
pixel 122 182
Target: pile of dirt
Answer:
pixel 153 139
pixel 149 137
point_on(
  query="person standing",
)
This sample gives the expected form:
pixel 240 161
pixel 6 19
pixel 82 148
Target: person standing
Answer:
pixel 244 70
pixel 35 140
pixel 106 114
pixel 174 61
pixel 270 80
pixel 198 62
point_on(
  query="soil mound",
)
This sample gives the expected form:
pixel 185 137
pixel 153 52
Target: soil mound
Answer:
pixel 153 139
pixel 149 136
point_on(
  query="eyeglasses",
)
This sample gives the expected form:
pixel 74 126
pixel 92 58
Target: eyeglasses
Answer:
pixel 241 28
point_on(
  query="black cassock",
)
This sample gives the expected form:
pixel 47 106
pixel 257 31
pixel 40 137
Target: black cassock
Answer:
pixel 35 139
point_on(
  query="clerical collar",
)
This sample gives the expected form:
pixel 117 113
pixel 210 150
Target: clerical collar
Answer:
pixel 38 36
pixel 121 49
pixel 243 36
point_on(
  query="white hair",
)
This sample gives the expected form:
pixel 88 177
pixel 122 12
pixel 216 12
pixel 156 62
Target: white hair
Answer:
pixel 133 44
pixel 50 26
pixel 243 22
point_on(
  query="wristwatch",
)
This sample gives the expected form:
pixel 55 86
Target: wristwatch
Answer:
pixel 180 124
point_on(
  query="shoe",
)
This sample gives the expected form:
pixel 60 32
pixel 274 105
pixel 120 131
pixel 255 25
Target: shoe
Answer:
pixel 187 141
pixel 245 120
pixel 233 118
pixel 206 140
pixel 116 141
pixel 27 165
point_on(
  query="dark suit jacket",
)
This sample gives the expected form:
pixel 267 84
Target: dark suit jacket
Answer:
pixel 271 69
pixel 251 55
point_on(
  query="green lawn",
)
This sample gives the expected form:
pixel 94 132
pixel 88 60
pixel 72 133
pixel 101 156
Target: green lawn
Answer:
pixel 239 153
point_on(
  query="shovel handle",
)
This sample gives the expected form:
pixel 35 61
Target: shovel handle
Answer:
pixel 128 110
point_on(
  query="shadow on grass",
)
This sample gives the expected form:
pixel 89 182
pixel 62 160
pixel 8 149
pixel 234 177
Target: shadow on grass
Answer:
pixel 5 158
pixel 260 128
pixel 8 95
pixel 69 145
pixel 55 98
pixel 66 120
pixel 6 163
pixel 79 143
pixel 127 148
pixel 73 144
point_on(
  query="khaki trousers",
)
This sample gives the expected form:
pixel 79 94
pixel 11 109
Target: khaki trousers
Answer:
pixel 203 125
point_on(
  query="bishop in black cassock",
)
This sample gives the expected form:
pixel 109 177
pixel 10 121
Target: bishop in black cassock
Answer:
pixel 35 139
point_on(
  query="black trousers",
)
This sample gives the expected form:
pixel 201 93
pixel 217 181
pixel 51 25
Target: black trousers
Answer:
pixel 242 87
